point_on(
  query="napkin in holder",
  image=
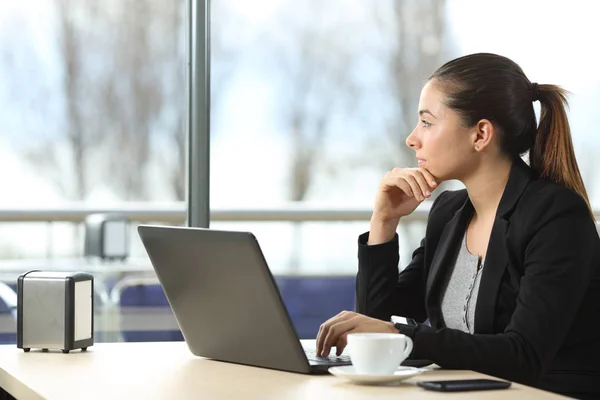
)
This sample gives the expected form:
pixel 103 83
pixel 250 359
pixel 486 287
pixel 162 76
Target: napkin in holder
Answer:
pixel 55 310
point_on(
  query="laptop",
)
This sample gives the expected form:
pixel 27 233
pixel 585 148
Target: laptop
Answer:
pixel 225 300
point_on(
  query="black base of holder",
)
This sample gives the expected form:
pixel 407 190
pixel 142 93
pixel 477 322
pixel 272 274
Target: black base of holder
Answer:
pixel 65 351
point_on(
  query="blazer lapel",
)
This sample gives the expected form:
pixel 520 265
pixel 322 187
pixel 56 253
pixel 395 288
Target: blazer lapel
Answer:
pixel 496 257
pixel 493 269
pixel 443 258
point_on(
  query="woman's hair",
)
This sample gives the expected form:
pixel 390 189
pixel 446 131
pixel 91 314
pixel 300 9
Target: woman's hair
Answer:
pixel 489 86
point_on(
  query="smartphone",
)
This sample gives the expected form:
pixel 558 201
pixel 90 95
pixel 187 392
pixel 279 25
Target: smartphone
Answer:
pixel 464 385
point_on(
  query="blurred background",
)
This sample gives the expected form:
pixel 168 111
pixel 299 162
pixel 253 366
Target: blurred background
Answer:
pixel 311 103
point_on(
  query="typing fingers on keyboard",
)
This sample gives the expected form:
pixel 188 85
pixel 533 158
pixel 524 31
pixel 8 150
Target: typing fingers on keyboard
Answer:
pixel 341 344
pixel 326 326
pixel 353 323
pixel 335 332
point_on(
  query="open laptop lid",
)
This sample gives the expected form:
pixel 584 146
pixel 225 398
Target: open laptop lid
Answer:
pixel 223 296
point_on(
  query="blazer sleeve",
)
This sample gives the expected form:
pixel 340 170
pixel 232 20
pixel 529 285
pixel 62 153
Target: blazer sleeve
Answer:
pixel 381 291
pixel 560 260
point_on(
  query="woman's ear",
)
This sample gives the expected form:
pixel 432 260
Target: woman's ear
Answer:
pixel 482 135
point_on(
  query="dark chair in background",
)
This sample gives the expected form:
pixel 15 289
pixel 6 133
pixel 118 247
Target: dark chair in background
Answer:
pixel 312 300
pixel 145 315
pixel 8 314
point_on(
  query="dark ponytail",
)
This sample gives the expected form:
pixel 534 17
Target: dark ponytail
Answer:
pixel 489 86
pixel 552 155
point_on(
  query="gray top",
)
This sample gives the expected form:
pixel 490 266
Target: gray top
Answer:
pixel 460 298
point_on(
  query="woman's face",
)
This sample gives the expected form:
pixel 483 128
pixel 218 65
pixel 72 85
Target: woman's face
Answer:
pixel 443 145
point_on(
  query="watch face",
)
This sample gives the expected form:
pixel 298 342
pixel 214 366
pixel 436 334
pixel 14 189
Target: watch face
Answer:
pixel 399 320
pixel 403 320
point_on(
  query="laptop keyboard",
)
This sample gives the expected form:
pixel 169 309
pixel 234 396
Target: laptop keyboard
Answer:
pixel 332 359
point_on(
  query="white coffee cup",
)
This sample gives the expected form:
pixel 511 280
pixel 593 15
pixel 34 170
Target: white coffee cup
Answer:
pixel 378 353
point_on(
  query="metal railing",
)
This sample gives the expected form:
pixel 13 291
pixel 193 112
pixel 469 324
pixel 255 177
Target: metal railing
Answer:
pixel 175 213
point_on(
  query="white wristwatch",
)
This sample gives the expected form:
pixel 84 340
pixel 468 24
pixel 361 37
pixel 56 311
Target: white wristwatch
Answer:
pixel 403 320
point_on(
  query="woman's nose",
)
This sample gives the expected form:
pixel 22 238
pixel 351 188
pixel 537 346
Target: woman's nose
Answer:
pixel 411 140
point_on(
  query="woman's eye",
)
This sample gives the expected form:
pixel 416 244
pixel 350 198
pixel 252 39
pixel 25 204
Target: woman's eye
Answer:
pixel 425 123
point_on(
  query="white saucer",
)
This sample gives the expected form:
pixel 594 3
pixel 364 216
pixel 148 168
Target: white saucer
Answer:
pixel 400 374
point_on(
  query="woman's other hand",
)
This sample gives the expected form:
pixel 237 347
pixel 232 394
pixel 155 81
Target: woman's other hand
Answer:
pixel 334 331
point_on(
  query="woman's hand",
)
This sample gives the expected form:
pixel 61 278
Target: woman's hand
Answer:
pixel 335 330
pixel 399 193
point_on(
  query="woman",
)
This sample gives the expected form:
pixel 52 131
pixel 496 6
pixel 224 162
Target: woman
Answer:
pixel 508 273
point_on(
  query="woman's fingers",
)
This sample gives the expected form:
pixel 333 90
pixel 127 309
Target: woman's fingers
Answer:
pixel 341 344
pixel 432 182
pixel 423 184
pixel 415 182
pixel 405 186
pixel 325 328
pixel 335 332
pixel 416 188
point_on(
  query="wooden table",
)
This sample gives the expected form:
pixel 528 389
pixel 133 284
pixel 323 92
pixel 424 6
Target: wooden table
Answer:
pixel 167 370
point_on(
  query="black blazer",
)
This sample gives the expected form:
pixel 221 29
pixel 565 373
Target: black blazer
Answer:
pixel 536 318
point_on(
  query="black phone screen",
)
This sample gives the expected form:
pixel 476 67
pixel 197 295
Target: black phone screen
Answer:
pixel 464 385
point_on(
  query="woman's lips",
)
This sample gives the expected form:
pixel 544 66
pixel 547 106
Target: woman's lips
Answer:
pixel 420 161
